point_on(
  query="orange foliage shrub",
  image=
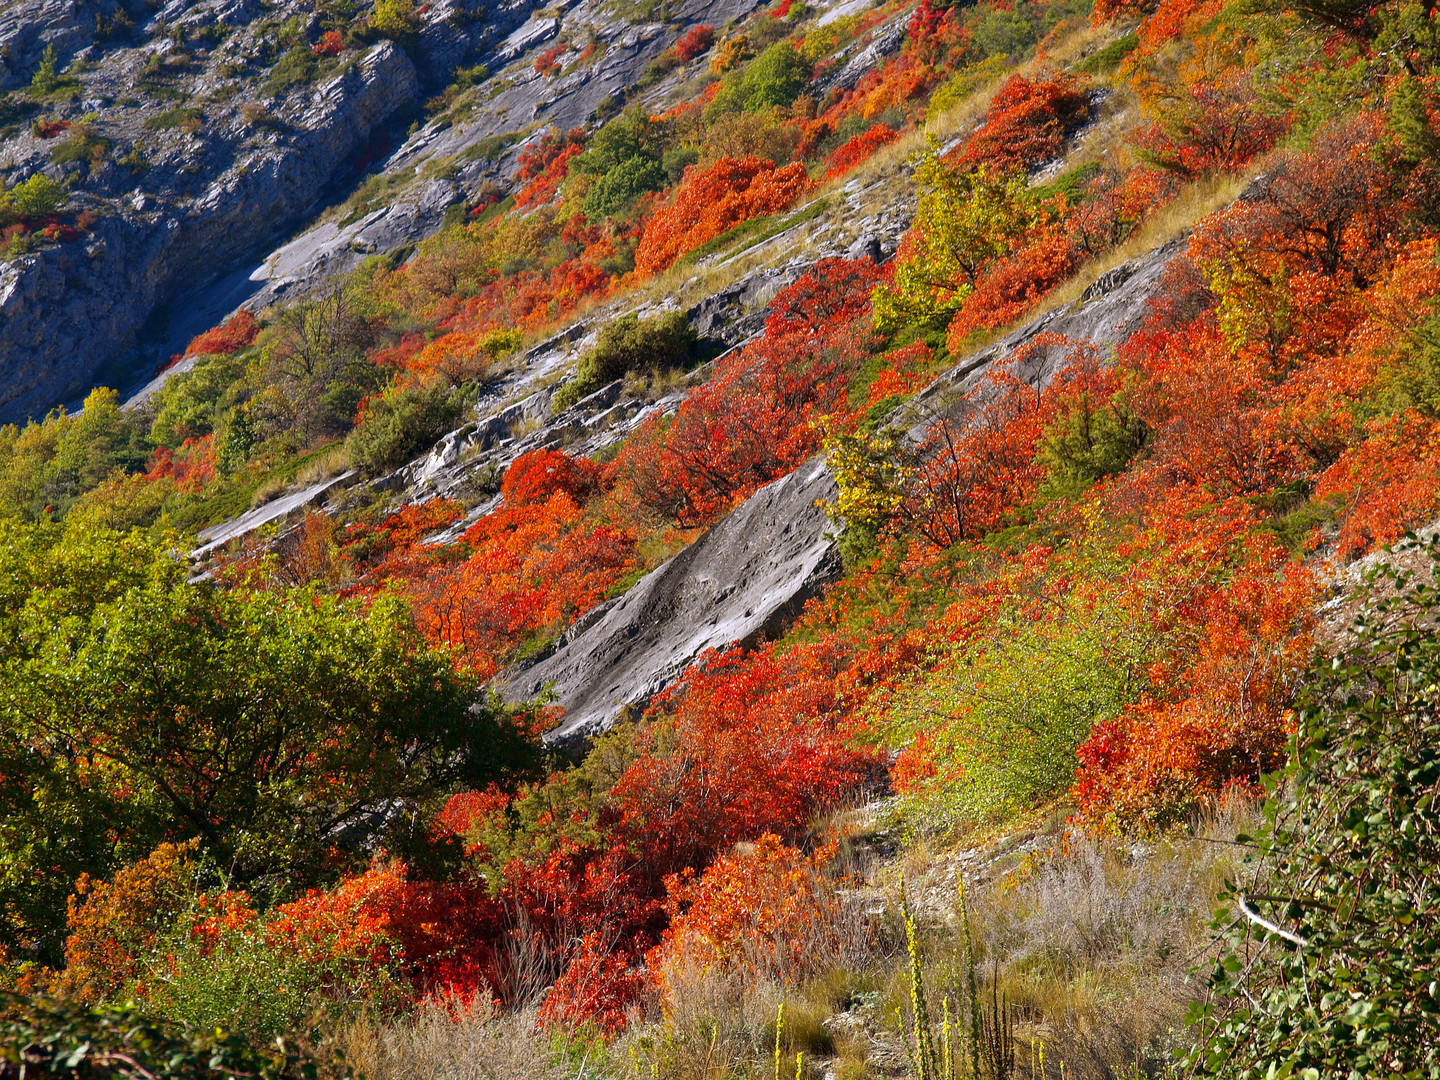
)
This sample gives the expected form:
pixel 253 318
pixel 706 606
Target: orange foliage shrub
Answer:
pixel 538 474
pixel 693 42
pixel 191 468
pixel 1026 123
pixel 330 44
pixel 549 60
pixel 978 467
pixel 765 909
pixel 113 923
pixel 709 202
pixel 1227 719
pixel 236 333
pixel 858 150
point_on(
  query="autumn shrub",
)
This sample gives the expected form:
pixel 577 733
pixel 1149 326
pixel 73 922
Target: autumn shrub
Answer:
pixel 694 41
pixel 858 149
pixel 707 203
pixel 536 475
pixel 751 422
pixel 396 426
pixel 655 344
pixel 330 44
pixel 115 925
pixel 1025 124
pixel 765 910
pixel 1014 285
pixel 236 333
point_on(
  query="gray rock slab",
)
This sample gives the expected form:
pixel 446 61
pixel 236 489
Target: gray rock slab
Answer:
pixel 742 581
pixel 219 535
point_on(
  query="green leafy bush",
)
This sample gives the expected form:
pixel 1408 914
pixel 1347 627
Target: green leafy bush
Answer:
pixel 400 424
pixel 622 185
pixel 1087 443
pixel 83 145
pixel 39 1037
pixel 298 67
pixel 1332 971
pixel 192 402
pixel 173 118
pixel 1108 59
pixel 775 77
pixel 395 19
pixel 630 344
pixel 32 199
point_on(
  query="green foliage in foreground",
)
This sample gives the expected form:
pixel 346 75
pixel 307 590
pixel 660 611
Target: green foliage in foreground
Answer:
pixel 51 1038
pixel 1346 865
pixel 282 728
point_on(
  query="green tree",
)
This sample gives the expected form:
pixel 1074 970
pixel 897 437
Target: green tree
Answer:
pixel 46 78
pixel 965 222
pixel 775 77
pixel 283 729
pixel 395 19
pixel 1331 965
pixel 46 466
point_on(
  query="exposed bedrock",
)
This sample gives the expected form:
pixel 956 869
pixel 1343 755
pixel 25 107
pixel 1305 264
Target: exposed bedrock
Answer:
pixel 742 581
pixel 69 312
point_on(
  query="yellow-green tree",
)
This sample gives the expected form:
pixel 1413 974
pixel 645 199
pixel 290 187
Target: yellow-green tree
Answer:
pixel 965 222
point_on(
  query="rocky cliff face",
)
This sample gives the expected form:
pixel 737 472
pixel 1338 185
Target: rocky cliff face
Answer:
pixel 219 131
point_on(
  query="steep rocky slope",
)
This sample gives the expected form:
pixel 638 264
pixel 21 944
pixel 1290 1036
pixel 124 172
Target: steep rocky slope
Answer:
pixel 194 137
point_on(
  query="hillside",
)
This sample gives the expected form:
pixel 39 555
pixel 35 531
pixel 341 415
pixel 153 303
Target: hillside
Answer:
pixel 709 540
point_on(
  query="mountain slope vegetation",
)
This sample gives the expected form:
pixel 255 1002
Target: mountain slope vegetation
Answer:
pixel 1088 671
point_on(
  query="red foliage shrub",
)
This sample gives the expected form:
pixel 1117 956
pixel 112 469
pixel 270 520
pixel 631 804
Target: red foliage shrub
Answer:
pixel 750 423
pixel 693 42
pixel 538 474
pixel 330 44
pixel 236 333
pixel 709 202
pixel 48 129
pixel 1026 123
pixel 443 937
pixel 544 164
pixel 598 987
pixel 549 60
pixel 981 465
pixel 1014 286
pixel 858 150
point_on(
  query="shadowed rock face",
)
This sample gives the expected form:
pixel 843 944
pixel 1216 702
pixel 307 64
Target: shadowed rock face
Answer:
pixel 741 582
pixel 66 310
